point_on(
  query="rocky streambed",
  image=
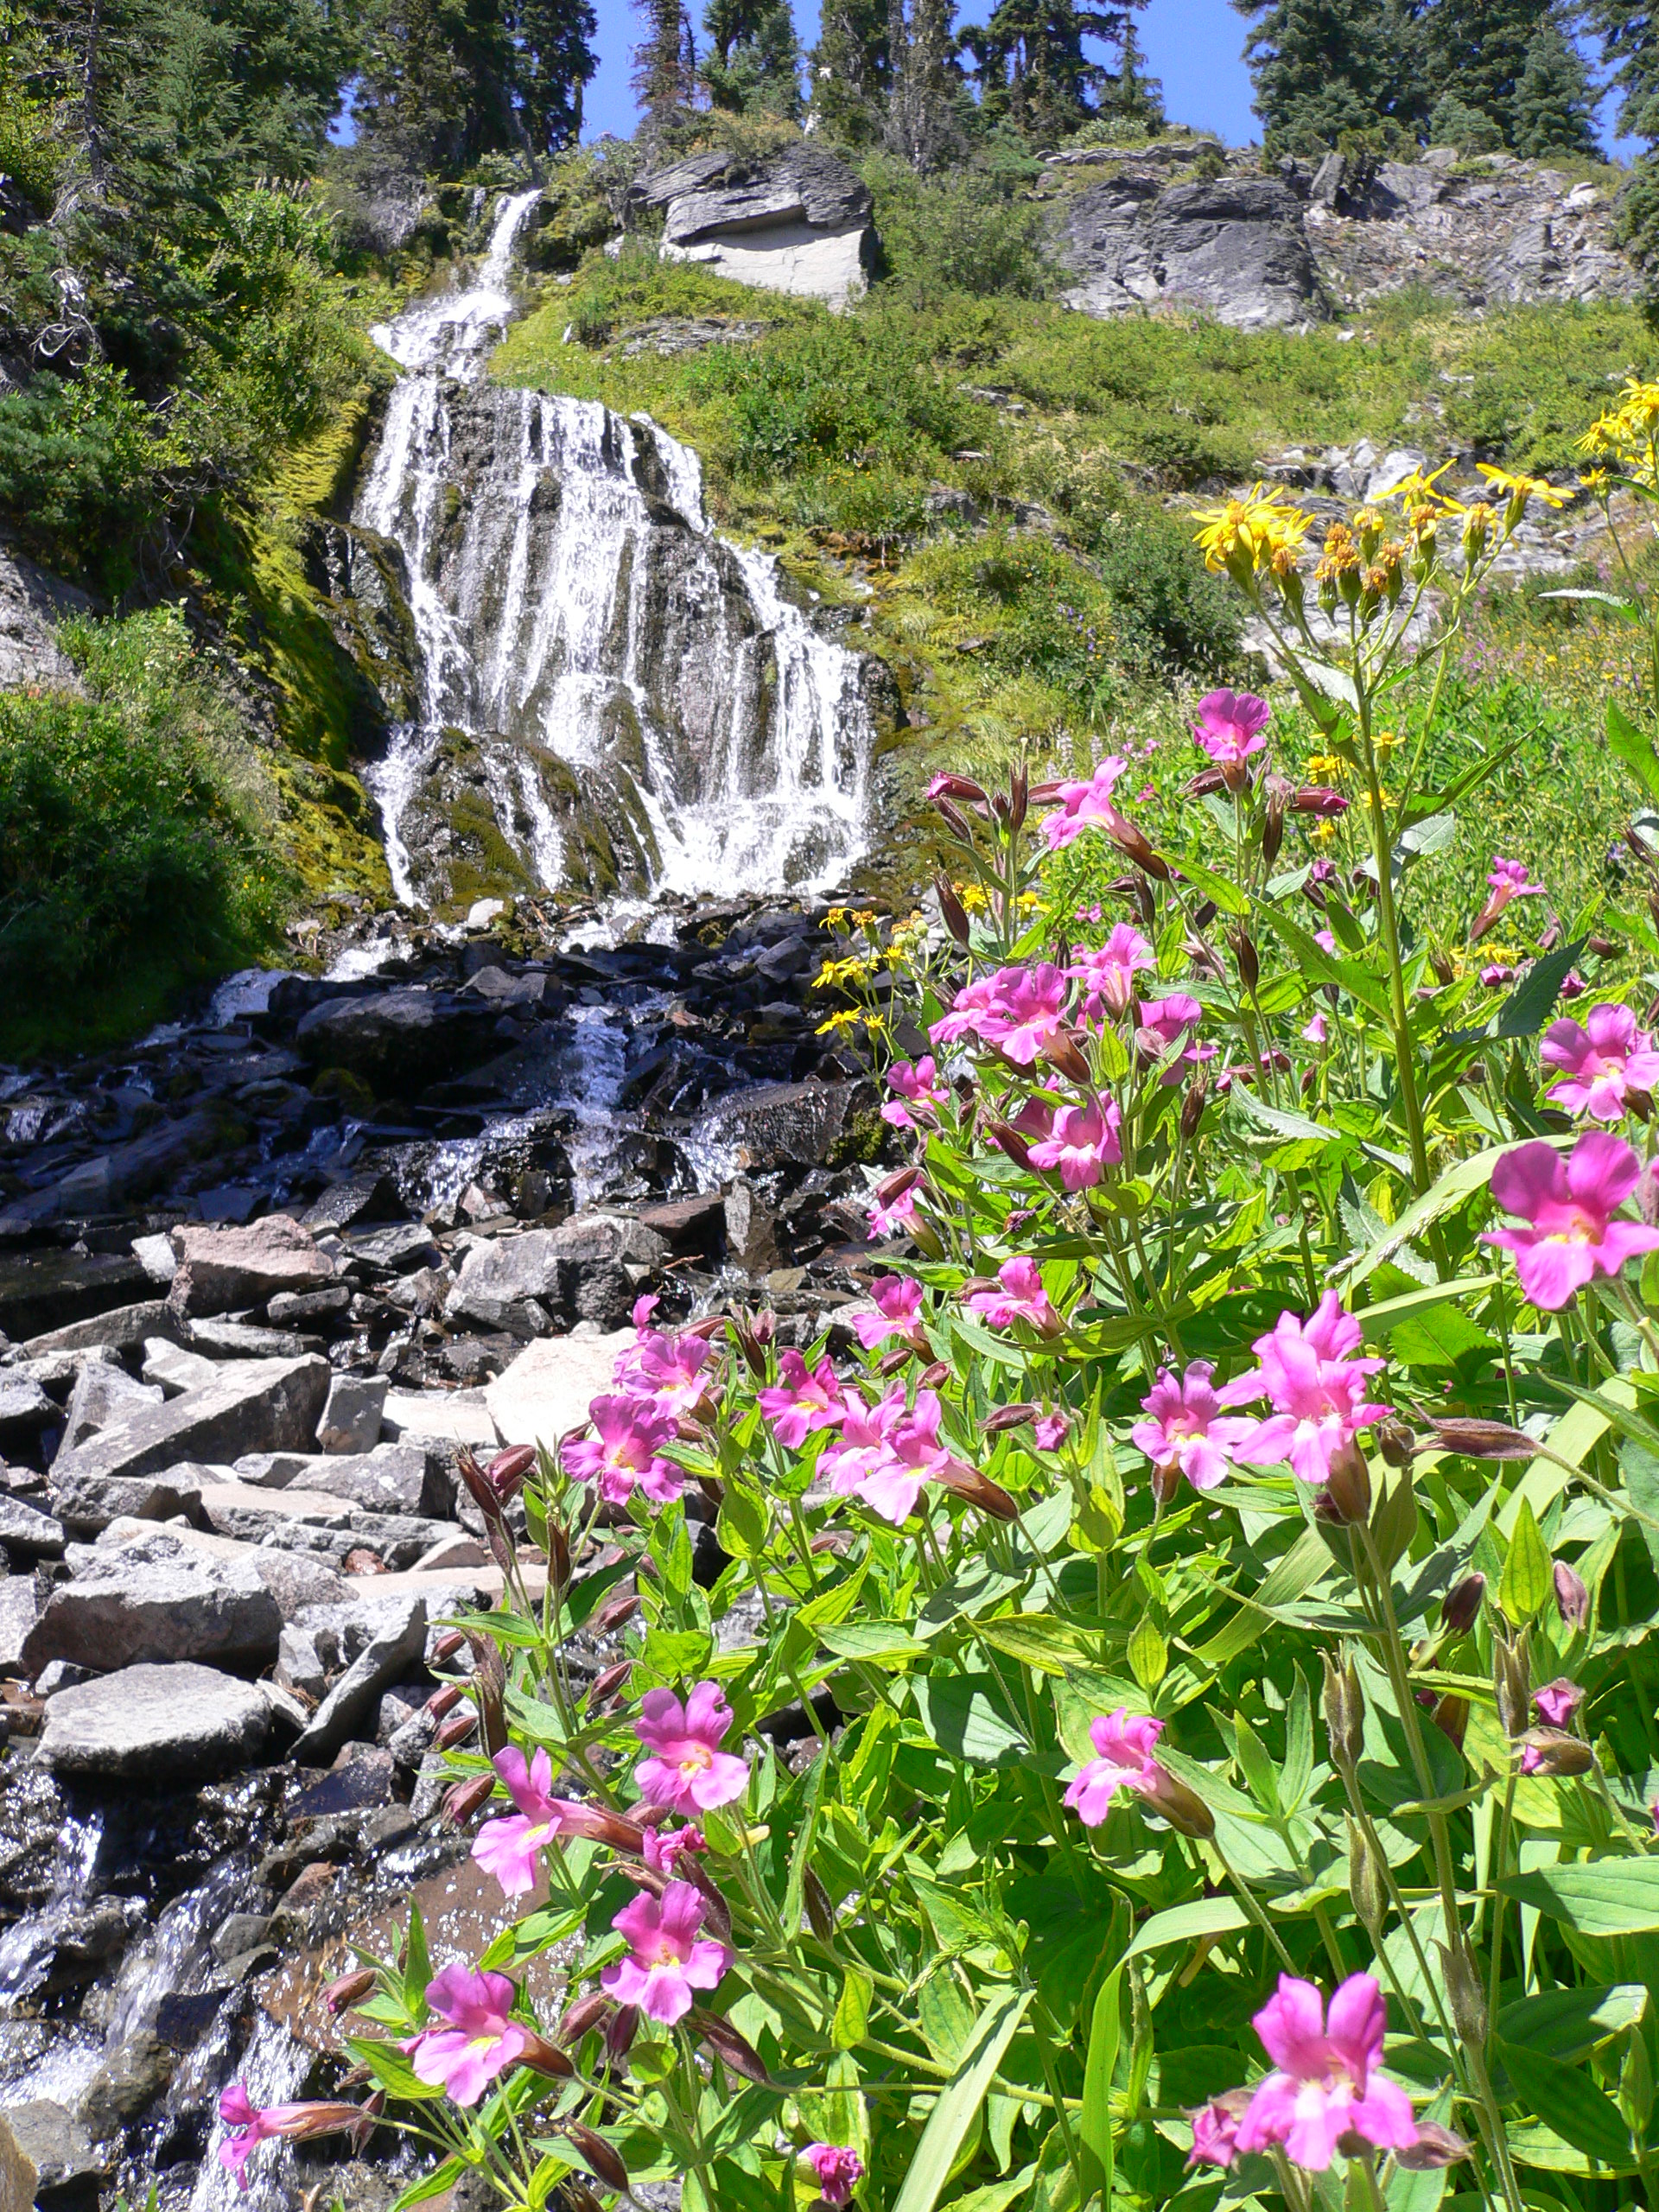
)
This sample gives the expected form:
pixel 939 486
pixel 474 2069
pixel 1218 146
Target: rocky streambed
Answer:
pixel 263 1277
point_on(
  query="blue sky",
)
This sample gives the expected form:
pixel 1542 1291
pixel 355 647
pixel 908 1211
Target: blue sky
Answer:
pixel 1194 46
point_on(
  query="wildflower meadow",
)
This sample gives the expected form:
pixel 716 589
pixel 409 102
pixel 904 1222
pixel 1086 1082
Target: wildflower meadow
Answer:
pixel 1170 1720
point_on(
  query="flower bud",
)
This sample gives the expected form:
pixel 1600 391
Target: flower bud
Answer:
pixel 466 1797
pixel 1273 825
pixel 978 1489
pixel 1318 799
pixel 1134 842
pixel 1450 1717
pixel 1018 798
pixel 558 1559
pixel 1435 2147
pixel 506 1473
pixel 1204 913
pixel 950 786
pixel 820 1913
pixel 605 1685
pixel 735 2052
pixel 447 1644
pixel 1571 1598
pixel 1465 1995
pixel 340 1995
pixel 1249 966
pixel 931 1378
pixel 1008 1140
pixel 1346 1497
pixel 444 1701
pixel 1552 1751
pixel 1193 1104
pixel 621 1605
pixel 1199 786
pixel 1512 1687
pixel 1394 1442
pixel 586 2013
pixel 951 908
pixel 619 2031
pixel 1345 1711
pixel 1061 1052
pixel 1365 1884
pixel 954 821
pixel 459 1727
pixel 543 2057
pixel 603 2159
pixel 1482 1439
pixel 321 2116
pixel 1441 964
pixel 1460 1607
pixel 1184 1809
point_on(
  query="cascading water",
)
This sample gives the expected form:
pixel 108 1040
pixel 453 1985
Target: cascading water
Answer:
pixel 643 704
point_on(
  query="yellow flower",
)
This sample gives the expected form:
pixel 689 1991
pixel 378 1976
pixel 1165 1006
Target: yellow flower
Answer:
pixel 972 896
pixel 1521 488
pixel 1323 832
pixel 1324 764
pixel 1596 480
pixel 1386 740
pixel 844 1018
pixel 1418 494
pixel 1244 535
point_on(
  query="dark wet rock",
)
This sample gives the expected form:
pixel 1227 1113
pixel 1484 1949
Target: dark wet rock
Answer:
pixel 221 1270
pixel 249 1405
pixel 769 1125
pixel 132 1171
pixel 156 1723
pixel 154 1600
pixel 396 1041
pixel 360 1198
pixel 44 1291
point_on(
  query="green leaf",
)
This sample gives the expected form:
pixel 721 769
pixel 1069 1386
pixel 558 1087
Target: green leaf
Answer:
pixel 1227 896
pixel 1052 1647
pixel 1430 834
pixel 442 2179
pixel 1568 2024
pixel 417 1964
pixel 1278 1123
pixel 1318 966
pixel 1094 2117
pixel 1532 1002
pixel 1257 1768
pixel 1148 1654
pixel 852 2015
pixel 1568 2100
pixel 875 1643
pixel 741 1525
pixel 1627 743
pixel 966 1716
pixel 1606 1897
pixel 959 2102
pixel 1526 1577
pixel 1189 1924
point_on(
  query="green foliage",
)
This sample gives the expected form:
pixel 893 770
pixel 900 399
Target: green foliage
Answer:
pixel 1454 122
pixel 971 231
pixel 1553 106
pixel 1321 67
pixel 135 854
pixel 1481 49
pixel 1045 616
pixel 753 64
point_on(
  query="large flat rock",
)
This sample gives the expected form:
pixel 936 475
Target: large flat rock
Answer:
pixel 250 1405
pixel 547 1390
pixel 154 1724
pixel 154 1601
pixel 223 1271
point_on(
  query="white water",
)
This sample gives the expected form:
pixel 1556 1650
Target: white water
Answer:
pixel 570 598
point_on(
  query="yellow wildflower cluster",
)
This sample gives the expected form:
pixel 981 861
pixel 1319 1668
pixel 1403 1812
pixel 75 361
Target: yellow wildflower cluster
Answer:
pixel 845 1018
pixel 1627 436
pixel 1243 536
pixel 844 974
pixel 1323 767
pixel 971 897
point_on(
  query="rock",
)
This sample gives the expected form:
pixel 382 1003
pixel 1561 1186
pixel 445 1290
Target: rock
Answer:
pixel 132 1171
pixel 20 1608
pixel 240 1933
pixel 581 1267
pixel 692 1226
pixel 297 1580
pixel 25 1410
pixel 104 1397
pixel 548 1387
pixel 397 1041
pixel 18 2173
pixel 775 1124
pixel 122 1328
pixel 155 1255
pixel 174 1368
pixel 25 1528
pixel 150 1723
pixel 351 1419
pixel 1234 247
pixel 61 1674
pixel 260 1405
pixel 396 1643
pixel 750 1229
pixel 32 604
pixel 86 1504
pixel 440 1417
pixel 156 1600
pixel 301 1666
pixel 457 1550
pixel 133 2075
pixel 378 1253
pixel 293 1308
pixel 364 1198
pixel 796 220
pixel 223 1339
pixel 390 1479
pixel 222 1269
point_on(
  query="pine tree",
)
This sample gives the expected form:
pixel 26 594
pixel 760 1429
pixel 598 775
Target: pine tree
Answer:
pixel 665 65
pixel 1479 48
pixel 851 71
pixel 923 122
pixel 1629 30
pixel 436 85
pixel 1032 68
pixel 1470 130
pixel 1322 67
pixel 553 62
pixel 753 64
pixel 1553 107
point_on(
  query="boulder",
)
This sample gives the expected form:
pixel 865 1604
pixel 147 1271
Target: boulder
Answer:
pixel 25 1528
pixel 548 1387
pixel 582 1268
pixel 152 1723
pixel 1233 247
pixel 25 1410
pixel 794 221
pixel 104 1396
pixel 32 604
pixel 296 1579
pixel 778 1124
pixel 351 1418
pixel 223 1269
pixel 123 1328
pixel 133 1170
pixel 18 2173
pixel 396 1643
pixel 156 1600
pixel 86 1504
pixel 255 1405
pixel 174 1369
pixel 20 1608
pixel 42 1292
pixel 391 1479
pixel 750 1229
pixel 397 1041
pixel 440 1417
pixel 311 1520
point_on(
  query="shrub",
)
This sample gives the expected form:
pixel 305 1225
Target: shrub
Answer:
pixel 1173 616
pixel 969 230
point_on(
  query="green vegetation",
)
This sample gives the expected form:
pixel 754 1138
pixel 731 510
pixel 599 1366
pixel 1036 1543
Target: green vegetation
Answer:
pixel 136 847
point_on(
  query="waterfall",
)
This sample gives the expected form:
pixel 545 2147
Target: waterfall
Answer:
pixel 636 698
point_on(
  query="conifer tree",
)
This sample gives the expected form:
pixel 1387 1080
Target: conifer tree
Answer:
pixel 1553 107
pixel 665 64
pixel 1323 68
pixel 436 85
pixel 754 61
pixel 923 123
pixel 1629 30
pixel 1032 68
pixel 851 70
pixel 553 62
pixel 1478 49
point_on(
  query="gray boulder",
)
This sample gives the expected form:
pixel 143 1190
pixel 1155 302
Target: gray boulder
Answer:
pixel 25 1410
pixel 121 1329
pixel 32 604
pixel 223 1269
pixel 794 221
pixel 151 1724
pixel 104 1396
pixel 256 1405
pixel 133 1170
pixel 1233 247
pixel 351 1418
pixel 20 1608
pixel 391 1479
pixel 154 1600
pixel 25 1528
pixel 396 1641
pixel 397 1041
pixel 174 1369
pixel 86 1504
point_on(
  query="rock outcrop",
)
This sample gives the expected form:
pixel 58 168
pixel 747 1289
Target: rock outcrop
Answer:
pixel 32 604
pixel 1231 247
pixel 798 221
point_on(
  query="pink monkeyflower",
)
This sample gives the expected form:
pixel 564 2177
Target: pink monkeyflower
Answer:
pixel 480 2041
pixel 1573 985
pixel 899 1310
pixel 1230 727
pixel 1495 975
pixel 508 1848
pixel 1164 1024
pixel 967 1010
pixel 1601 1064
pixel 861 1447
pixel 625 1451
pixel 1017 1010
pixel 1107 972
pixel 1569 1206
pixel 920 1093
pixel 1215 2130
pixel 1020 1297
pixel 687 1770
pixel 1315 1032
pixel 644 1307
pixel 1083 1143
pixel 1185 1427
pixel 1123 1746
pixel 912 1456
pixel 1326 941
pixel 1316 1387
pixel 246 2126
pixel 896 1216
pixel 1080 804
pixel 837 2172
pixel 667 1958
pixel 662 1851
pixel 1509 880
pixel 804 1399
pixel 1325 2084
pixel 1049 1432
pixel 668 1372
pixel 1558 1701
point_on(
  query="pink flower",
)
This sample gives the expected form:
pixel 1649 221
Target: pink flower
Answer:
pixel 1602 1063
pixel 1568 1204
pixel 1558 1701
pixel 803 1400
pixel 899 1308
pixel 1082 1144
pixel 1495 975
pixel 1185 1427
pixel 1229 726
pixel 246 2127
pixel 863 1444
pixel 1016 1010
pixel 917 1087
pixel 1509 880
pixel 1049 1431
pixel 888 1452
pixel 838 2171
pixel 1021 1298
pixel 688 1772
pixel 668 1372
pixel 1215 2130
pixel 1315 1032
pixel 664 1851
pixel 894 1216
pixel 667 1959
pixel 1124 1746
pixel 1325 939
pixel 1573 984
pixel 480 2041
pixel 1082 803
pixel 1325 2085
pixel 1164 1025
pixel 508 1848
pixel 1107 972
pixel 1316 1388
pixel 625 1451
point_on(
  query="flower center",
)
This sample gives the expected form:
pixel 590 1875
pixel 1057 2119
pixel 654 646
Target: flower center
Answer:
pixel 694 1757
pixel 1579 1228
